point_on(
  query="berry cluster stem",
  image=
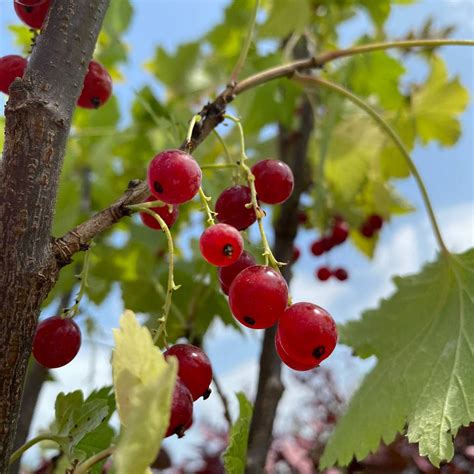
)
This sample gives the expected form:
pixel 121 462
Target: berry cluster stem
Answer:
pixel 85 467
pixel 205 205
pixel 37 439
pixel 161 331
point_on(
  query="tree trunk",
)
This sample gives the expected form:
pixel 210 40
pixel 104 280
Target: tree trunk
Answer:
pixel 38 117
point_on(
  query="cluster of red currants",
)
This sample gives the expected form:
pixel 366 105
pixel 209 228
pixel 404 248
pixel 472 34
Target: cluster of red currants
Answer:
pixel 97 87
pixel 371 226
pixel 258 294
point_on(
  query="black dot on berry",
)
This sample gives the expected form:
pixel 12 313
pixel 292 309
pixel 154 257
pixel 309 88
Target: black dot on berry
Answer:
pixel 157 187
pixel 249 320
pixel 179 431
pixel 228 250
pixel 319 352
pixel 207 394
pixel 28 9
pixel 95 101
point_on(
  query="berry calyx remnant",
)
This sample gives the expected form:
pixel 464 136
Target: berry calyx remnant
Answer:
pixel 221 245
pixel 174 177
pixel 169 216
pixel 231 207
pixel 227 274
pixel 258 296
pixel 194 368
pixel 56 342
pixel 32 12
pixel 181 410
pixel 274 181
pixel 97 87
pixel 11 67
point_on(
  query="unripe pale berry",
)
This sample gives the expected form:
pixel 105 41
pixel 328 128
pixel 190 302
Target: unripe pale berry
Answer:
pixel 174 177
pixel 11 67
pixel 164 212
pixel 194 368
pixel 181 410
pixel 231 207
pixel 274 181
pixel 32 12
pixel 221 245
pixel 97 87
pixel 56 342
pixel 258 296
pixel 307 333
pixel 227 274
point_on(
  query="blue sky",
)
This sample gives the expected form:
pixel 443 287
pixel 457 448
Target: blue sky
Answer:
pixel 406 243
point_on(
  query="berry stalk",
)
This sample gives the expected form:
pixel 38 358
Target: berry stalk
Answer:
pixel 85 467
pixel 37 439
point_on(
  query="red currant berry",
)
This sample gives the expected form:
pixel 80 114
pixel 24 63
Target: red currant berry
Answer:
pixel 97 87
pixel 341 274
pixel 11 67
pixel 32 13
pixel 227 274
pixel 274 181
pixel 296 254
pixel 181 410
pixel 323 273
pixel 194 370
pixel 258 296
pixel 367 230
pixel 307 333
pixel 340 232
pixel 375 221
pixel 287 360
pixel 317 248
pixel 163 211
pixel 221 245
pixel 56 342
pixel 302 217
pixel 230 207
pixel 174 177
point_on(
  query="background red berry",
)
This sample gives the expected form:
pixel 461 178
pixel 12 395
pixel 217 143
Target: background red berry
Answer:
pixel 274 181
pixel 323 273
pixel 230 207
pixel 164 212
pixel 375 221
pixel 221 245
pixel 11 67
pixel 296 254
pixel 181 410
pixel 318 247
pixel 194 369
pixel 174 177
pixel 97 87
pixel 341 274
pixel 56 342
pixel 367 230
pixel 258 296
pixel 340 232
pixel 227 274
pixel 32 13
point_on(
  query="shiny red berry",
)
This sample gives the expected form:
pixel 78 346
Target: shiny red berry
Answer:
pixel 194 369
pixel 164 212
pixel 11 67
pixel 258 296
pixel 307 333
pixel 56 342
pixel 375 221
pixel 174 177
pixel 274 181
pixel 227 274
pixel 288 361
pixel 367 230
pixel 231 209
pixel 97 87
pixel 340 232
pixel 181 410
pixel 32 12
pixel 296 254
pixel 341 274
pixel 323 273
pixel 221 245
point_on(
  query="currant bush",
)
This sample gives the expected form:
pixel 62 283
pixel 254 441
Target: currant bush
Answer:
pixel 11 67
pixel 181 410
pixel 274 181
pixel 227 274
pixel 32 12
pixel 231 207
pixel 97 87
pixel 169 216
pixel 221 245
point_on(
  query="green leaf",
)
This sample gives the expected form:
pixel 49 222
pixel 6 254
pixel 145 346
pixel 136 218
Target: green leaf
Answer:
pixel 236 453
pixel 423 339
pixel 285 18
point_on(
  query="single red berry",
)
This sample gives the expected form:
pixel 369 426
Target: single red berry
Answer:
pixel 287 360
pixel 323 273
pixel 258 296
pixel 97 87
pixel 375 221
pixel 307 333
pixel 327 243
pixel 56 342
pixel 296 254
pixel 32 13
pixel 274 181
pixel 164 212
pixel 194 369
pixel 340 232
pixel 181 410
pixel 174 177
pixel 227 274
pixel 302 217
pixel 367 230
pixel 318 247
pixel 231 209
pixel 341 274
pixel 11 67
pixel 221 245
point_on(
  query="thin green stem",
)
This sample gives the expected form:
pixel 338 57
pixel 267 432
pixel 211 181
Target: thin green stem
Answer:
pixel 224 146
pixel 85 467
pixel 245 48
pixel 37 439
pixel 383 124
pixel 267 251
pixel 171 286
pixel 205 206
pixel 219 166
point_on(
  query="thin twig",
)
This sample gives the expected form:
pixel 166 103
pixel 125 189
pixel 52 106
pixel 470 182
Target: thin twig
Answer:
pixel 225 402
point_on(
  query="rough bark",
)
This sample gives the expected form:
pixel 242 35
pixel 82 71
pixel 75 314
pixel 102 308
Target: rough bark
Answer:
pixel 293 148
pixel 38 116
